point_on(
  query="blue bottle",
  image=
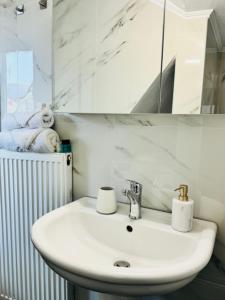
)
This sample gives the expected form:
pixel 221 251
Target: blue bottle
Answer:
pixel 65 146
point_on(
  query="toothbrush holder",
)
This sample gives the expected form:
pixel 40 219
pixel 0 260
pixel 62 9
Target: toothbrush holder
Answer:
pixel 106 201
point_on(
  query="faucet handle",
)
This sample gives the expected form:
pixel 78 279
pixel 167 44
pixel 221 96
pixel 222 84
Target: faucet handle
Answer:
pixel 135 187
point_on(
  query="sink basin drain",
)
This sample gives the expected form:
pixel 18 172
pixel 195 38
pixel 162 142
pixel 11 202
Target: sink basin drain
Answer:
pixel 122 264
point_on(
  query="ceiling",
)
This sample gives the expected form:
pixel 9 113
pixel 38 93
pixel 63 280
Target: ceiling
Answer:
pixel 196 5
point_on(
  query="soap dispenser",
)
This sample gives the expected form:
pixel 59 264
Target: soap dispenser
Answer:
pixel 182 210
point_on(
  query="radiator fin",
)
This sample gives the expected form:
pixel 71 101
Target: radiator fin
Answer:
pixel 30 186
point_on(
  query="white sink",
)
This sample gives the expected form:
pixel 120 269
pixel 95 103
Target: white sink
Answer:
pixel 82 246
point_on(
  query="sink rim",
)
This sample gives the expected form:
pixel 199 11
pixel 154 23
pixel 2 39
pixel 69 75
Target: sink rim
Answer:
pixel 155 275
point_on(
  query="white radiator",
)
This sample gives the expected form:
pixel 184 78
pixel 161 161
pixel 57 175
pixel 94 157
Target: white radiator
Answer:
pixel 30 186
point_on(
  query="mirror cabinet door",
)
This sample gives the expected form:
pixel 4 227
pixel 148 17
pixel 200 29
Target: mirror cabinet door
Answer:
pixel 194 41
pixel 107 56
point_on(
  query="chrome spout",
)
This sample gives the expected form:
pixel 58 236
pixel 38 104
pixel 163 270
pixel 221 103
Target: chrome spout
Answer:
pixel 134 194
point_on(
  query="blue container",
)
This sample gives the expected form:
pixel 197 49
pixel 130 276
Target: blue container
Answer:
pixel 65 146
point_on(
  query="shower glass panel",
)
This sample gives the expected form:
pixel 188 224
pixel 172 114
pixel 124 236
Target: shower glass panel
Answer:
pixel 25 56
pixel 19 84
pixel 25 84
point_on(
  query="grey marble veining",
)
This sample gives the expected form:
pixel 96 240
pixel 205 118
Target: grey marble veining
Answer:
pixel 108 55
pixel 125 15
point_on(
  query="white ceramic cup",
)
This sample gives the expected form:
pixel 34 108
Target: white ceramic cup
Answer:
pixel 106 201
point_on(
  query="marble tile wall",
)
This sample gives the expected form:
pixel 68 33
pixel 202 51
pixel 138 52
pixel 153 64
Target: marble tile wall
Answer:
pixel 25 56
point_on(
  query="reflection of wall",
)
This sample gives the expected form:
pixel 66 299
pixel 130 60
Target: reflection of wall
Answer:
pixel 105 61
pixel 211 76
pixel 28 33
pixel 220 101
pixel 185 39
pixel 214 82
pixel 149 102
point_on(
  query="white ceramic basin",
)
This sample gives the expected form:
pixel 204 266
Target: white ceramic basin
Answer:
pixel 82 246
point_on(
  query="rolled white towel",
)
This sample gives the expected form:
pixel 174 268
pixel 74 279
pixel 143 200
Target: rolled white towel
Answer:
pixel 40 119
pixel 40 140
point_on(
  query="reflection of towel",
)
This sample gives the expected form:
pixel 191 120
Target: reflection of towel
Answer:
pixel 39 119
pixel 30 140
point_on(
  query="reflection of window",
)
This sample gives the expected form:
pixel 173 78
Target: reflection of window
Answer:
pixel 19 81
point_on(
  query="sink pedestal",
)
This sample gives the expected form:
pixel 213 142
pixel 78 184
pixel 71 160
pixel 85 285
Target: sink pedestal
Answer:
pixel 84 294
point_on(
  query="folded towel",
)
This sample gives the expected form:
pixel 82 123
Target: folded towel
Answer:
pixel 40 119
pixel 30 140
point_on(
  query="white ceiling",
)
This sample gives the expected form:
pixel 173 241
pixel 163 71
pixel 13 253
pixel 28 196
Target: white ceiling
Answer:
pixel 196 5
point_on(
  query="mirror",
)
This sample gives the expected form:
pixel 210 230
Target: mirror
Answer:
pixel 194 40
pixel 139 56
pixel 107 56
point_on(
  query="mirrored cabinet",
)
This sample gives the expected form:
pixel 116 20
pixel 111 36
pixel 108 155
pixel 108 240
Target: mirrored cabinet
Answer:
pixel 194 42
pixel 140 56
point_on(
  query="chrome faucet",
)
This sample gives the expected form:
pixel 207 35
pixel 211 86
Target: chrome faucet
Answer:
pixel 134 194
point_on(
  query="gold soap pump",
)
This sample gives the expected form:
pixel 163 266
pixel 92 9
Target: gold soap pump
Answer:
pixel 183 192
pixel 182 210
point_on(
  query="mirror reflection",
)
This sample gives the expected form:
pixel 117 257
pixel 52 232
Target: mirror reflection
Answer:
pixel 108 61
pixel 139 56
pixel 194 40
